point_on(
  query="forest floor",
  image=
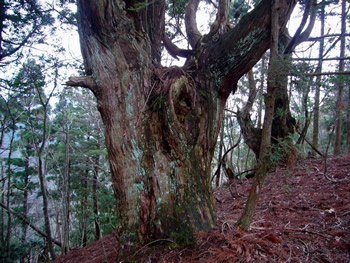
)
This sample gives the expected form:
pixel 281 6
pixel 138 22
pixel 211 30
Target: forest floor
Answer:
pixel 301 217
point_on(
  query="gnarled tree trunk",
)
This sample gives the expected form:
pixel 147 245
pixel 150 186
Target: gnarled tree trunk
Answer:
pixel 161 124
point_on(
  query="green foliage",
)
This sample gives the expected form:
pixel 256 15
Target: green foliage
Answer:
pixel 21 250
pixel 176 9
pixel 22 24
pixel 238 9
pixel 281 150
pixel 140 5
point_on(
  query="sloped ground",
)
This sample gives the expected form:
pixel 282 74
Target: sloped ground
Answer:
pixel 301 217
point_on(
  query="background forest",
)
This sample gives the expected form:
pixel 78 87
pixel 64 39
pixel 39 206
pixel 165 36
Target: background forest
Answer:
pixel 55 182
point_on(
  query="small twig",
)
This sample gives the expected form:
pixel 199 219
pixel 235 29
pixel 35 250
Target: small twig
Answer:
pixel 308 231
pixel 312 146
pixel 346 213
pixel 151 243
pixel 290 254
pixel 258 221
pixel 227 223
pixel 217 199
pixel 222 161
pixel 307 249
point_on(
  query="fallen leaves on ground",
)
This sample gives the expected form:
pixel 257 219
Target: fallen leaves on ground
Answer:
pixel 301 217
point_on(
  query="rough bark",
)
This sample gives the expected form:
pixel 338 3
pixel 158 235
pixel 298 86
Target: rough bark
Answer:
pixel 161 124
pixel 340 84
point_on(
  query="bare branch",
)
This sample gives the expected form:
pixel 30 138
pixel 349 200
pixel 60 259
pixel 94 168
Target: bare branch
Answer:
pixel 26 221
pixel 320 73
pixel 83 81
pixel 192 31
pixel 223 161
pixel 325 36
pixel 293 41
pixel 317 59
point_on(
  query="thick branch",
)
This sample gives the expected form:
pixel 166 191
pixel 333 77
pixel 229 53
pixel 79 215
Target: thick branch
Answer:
pixel 299 36
pixel 28 223
pixel 192 31
pixel 237 51
pixel 174 50
pixel 84 82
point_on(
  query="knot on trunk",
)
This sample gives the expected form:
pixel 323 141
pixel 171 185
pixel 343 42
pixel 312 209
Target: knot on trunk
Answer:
pixel 176 96
pixel 182 100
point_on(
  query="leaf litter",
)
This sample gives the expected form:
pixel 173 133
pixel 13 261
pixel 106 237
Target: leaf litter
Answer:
pixel 301 217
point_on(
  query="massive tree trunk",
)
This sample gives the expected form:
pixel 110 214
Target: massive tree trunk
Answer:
pixel 161 124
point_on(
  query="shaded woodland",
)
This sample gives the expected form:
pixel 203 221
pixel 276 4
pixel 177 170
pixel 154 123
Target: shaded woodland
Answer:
pixel 169 140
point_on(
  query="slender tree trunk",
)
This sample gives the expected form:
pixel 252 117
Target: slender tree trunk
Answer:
pixel 85 204
pixel 264 162
pixel 217 182
pixel 315 131
pixel 9 181
pixel 347 148
pixel 307 117
pixel 95 198
pixel 2 214
pixel 261 92
pixel 65 197
pixel 246 160
pixel 25 204
pixel 339 106
pixel 43 189
pixel 40 146
pixel 25 198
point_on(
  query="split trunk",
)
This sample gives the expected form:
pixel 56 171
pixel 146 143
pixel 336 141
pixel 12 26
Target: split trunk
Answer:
pixel 162 124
